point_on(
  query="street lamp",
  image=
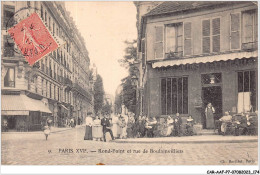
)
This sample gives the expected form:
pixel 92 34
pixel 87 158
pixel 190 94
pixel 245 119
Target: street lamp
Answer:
pixel 134 81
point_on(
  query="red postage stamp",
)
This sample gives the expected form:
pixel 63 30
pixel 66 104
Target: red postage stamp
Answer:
pixel 33 38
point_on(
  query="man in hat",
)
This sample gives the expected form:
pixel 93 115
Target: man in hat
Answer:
pixel 106 127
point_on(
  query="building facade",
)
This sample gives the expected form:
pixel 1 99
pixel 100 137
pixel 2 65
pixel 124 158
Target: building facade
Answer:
pixel 195 53
pixel 58 85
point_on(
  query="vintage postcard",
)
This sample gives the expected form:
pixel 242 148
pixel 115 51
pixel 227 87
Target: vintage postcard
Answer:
pixel 129 83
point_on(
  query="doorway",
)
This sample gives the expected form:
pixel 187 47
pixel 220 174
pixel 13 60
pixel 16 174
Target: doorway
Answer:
pixel 213 95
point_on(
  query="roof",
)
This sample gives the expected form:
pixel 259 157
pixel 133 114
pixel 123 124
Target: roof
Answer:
pixel 205 59
pixel 22 103
pixel 177 6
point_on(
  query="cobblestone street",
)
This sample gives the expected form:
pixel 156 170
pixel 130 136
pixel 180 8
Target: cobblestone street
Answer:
pixel 33 149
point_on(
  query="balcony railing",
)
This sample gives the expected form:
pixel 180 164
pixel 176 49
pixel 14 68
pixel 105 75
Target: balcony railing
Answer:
pixel 67 82
pixel 250 46
pixel 174 55
pixel 82 90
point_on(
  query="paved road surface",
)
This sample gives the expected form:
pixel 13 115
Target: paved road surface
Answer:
pixel 33 149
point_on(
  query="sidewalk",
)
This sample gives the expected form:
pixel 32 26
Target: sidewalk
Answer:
pixel 192 139
pixel 53 130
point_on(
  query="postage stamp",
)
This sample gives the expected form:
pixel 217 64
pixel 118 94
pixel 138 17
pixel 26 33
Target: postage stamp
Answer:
pixel 32 38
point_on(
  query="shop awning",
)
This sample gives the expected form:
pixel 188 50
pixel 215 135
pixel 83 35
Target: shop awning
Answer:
pixel 21 105
pixel 205 59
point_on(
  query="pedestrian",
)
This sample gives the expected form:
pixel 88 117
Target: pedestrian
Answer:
pixel 169 126
pixel 106 127
pixel 97 129
pixel 130 125
pixel 209 113
pixel 177 125
pixel 47 128
pixel 189 126
pixel 121 126
pixel 224 122
pixel 89 123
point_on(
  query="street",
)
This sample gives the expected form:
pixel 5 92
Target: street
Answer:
pixel 69 148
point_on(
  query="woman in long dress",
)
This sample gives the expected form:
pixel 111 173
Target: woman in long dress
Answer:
pixel 209 112
pixel 97 129
pixel 89 123
pixel 169 126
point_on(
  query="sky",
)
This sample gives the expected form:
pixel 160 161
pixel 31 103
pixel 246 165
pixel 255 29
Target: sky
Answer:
pixel 105 26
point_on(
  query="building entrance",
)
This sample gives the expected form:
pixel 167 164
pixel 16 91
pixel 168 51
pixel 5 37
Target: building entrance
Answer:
pixel 213 95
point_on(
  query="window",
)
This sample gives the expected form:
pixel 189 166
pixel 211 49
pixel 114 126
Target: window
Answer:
pixel 158 45
pixel 174 95
pixel 8 16
pixel 45 16
pixel 46 88
pixel 9 78
pixel 8 46
pixel 50 91
pixel 247 91
pixel 235 31
pixel 53 28
pixel 42 86
pixel 249 28
pixel 187 38
pixel 58 94
pixel 174 39
pixel 35 85
pixel 211 35
pixel 50 23
pixel 42 12
pixel 28 3
pixel 54 92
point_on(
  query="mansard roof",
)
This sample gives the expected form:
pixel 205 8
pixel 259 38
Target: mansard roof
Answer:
pixel 169 7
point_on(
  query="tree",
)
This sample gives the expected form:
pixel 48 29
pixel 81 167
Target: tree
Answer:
pixel 98 94
pixel 107 109
pixel 129 61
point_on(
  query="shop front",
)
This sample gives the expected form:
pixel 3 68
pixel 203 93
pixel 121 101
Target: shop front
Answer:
pixel 228 84
pixel 22 113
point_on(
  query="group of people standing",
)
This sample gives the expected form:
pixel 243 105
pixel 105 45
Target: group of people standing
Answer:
pixel 96 129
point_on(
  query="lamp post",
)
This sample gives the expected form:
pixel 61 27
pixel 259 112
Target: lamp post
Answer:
pixel 134 79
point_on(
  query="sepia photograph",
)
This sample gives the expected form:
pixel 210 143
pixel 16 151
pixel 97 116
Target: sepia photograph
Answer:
pixel 129 83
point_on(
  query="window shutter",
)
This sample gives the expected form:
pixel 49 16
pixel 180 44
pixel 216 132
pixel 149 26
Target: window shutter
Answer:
pixel 187 38
pixel 256 26
pixel 216 35
pixel 235 31
pixel 158 45
pixel 247 27
pixel 206 36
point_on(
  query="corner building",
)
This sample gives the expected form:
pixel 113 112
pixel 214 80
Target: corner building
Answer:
pixel 58 85
pixel 195 53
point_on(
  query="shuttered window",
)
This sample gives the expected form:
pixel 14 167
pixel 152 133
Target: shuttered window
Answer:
pixel 216 35
pixel 174 39
pixel 158 45
pixel 187 39
pixel 206 36
pixel 249 27
pixel 211 35
pixel 235 31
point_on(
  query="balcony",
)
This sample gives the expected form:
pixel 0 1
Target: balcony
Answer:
pixel 174 55
pixel 250 46
pixel 81 90
pixel 67 82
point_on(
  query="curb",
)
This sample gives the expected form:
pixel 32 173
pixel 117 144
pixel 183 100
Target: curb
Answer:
pixel 187 141
pixel 40 132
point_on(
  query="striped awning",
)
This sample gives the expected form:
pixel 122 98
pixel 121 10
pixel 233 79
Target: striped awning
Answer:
pixel 205 59
pixel 21 105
